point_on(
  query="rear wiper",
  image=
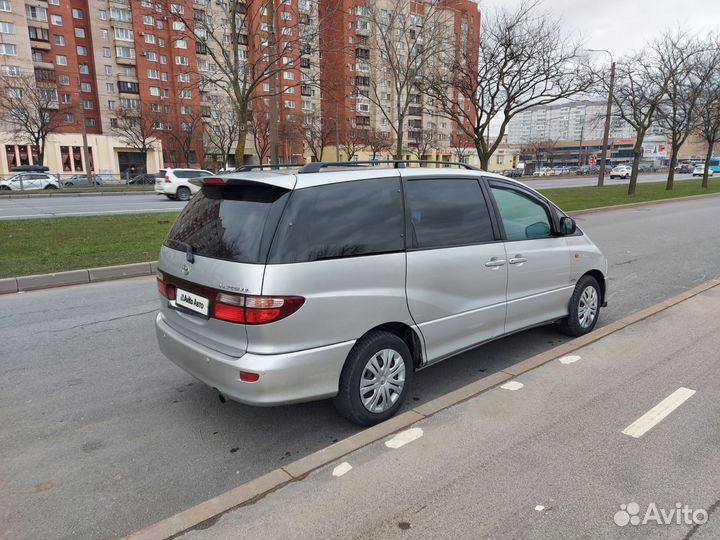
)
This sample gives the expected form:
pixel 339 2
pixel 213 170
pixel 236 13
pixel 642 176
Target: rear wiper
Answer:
pixel 189 250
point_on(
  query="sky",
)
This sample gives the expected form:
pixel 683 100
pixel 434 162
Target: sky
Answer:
pixel 622 26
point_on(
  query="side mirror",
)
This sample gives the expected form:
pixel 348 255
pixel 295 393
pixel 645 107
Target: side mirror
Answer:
pixel 567 226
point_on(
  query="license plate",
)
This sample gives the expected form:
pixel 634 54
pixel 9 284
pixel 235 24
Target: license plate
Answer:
pixel 193 302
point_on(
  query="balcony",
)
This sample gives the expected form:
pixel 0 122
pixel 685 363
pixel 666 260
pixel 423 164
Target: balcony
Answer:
pixel 415 111
pixel 363 54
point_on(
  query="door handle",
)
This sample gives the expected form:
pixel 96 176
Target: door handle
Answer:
pixel 495 262
pixel 518 259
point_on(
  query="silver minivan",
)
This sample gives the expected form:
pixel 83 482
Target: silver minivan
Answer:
pixel 339 282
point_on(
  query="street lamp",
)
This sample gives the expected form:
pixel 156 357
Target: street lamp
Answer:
pixel 608 114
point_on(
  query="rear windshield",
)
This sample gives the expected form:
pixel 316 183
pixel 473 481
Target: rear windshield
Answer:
pixel 160 174
pixel 233 223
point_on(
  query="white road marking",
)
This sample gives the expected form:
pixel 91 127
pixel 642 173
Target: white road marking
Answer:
pixel 512 386
pixel 539 508
pixel 404 437
pixel 569 359
pixel 653 417
pixel 342 469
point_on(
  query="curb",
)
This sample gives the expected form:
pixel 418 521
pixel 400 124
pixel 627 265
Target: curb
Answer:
pixel 76 277
pixel 78 194
pixel 206 514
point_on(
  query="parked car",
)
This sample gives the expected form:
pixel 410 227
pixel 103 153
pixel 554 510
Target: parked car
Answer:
pixel 545 171
pixel 142 179
pixel 699 170
pixel 684 168
pixel 513 173
pixel 589 169
pixel 335 282
pixel 621 171
pixel 175 183
pixel 31 180
pixel 82 180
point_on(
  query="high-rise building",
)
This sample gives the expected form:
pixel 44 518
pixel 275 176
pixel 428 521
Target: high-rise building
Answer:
pixel 103 58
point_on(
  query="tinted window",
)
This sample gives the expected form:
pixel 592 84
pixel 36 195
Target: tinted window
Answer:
pixel 191 174
pixel 234 223
pixel 160 174
pixel 449 212
pixel 522 216
pixel 340 220
pixel 714 163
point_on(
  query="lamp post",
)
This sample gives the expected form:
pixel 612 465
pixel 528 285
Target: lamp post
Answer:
pixel 608 115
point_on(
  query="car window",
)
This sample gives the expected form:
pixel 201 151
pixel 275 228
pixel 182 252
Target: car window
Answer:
pixel 160 174
pixel 346 219
pixel 522 217
pixel 446 212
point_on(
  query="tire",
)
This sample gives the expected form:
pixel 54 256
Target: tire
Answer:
pixel 182 194
pixel 50 186
pixel 171 197
pixel 587 293
pixel 612 177
pixel 4 188
pixel 384 351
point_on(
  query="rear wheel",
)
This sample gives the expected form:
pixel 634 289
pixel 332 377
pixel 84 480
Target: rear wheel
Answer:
pixel 183 194
pixel 4 188
pixel 375 379
pixel 584 308
pixel 50 186
pixel 171 197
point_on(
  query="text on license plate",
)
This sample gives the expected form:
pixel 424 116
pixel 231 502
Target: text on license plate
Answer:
pixel 192 301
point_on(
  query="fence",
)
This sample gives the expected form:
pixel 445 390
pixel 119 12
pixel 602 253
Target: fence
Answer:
pixel 33 181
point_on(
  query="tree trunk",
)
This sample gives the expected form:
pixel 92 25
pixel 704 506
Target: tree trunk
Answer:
pixel 240 147
pixel 636 166
pixel 144 153
pixel 400 134
pixel 673 163
pixel 706 172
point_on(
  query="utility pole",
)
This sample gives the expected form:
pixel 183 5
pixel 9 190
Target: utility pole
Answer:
pixel 274 91
pixel 608 116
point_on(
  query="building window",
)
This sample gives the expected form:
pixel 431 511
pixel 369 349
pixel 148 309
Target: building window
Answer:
pixel 85 87
pixel 5 6
pixel 82 51
pixel 79 32
pixel 181 60
pixel 9 28
pixel 11 71
pixel 154 91
pixel 148 20
pixel 151 56
pixel 178 25
pixel 61 60
pixel 108 70
pixel 64 80
pixel 180 44
pixel 71 158
pixel 56 20
pixel 102 14
pixel 88 104
pixel 153 74
pixel 111 104
pixel 69 118
pixel 185 94
pixel 123 34
pixel 106 52
pixel 78 14
pixel 38 34
pixel 84 69
pixel 184 77
pixel 36 13
pixel 110 88
pixel 150 38
pixel 125 52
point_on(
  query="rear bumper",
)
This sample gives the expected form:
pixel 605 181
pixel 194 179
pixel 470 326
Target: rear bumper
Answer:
pixel 163 189
pixel 284 378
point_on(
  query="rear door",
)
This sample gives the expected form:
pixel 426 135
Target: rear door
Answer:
pixel 539 261
pixel 219 243
pixel 456 264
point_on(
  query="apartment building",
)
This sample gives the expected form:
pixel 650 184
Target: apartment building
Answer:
pixel 570 121
pixel 154 57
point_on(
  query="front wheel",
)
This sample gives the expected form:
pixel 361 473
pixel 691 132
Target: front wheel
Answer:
pixel 375 379
pixel 4 188
pixel 584 308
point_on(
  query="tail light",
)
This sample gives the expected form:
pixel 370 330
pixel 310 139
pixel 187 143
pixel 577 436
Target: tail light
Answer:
pixel 249 309
pixel 167 179
pixel 165 289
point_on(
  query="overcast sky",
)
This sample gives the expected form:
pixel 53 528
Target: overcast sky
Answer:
pixel 624 25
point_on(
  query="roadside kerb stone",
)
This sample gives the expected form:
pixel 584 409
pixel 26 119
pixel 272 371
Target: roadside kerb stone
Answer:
pixel 8 285
pixel 212 508
pixel 58 279
pixel 121 271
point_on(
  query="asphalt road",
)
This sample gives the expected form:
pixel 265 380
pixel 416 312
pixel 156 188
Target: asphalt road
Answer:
pixel 47 207
pixel 550 455
pixel 86 205
pixel 100 435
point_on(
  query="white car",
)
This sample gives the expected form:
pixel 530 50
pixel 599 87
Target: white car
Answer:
pixel 621 171
pixel 29 180
pixel 699 170
pixel 175 183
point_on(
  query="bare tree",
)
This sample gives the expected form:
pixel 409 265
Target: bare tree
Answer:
pixel 378 141
pixel 221 131
pixel 139 128
pixel 30 111
pixel 680 56
pixel 259 128
pixel 352 141
pixel 708 110
pixel 461 145
pixel 539 151
pixel 407 41
pixel 525 60
pixel 640 85
pixel 426 139
pixel 184 138
pixel 248 52
pixel 316 135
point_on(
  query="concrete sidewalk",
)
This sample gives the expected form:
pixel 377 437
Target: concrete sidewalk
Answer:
pixel 543 456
